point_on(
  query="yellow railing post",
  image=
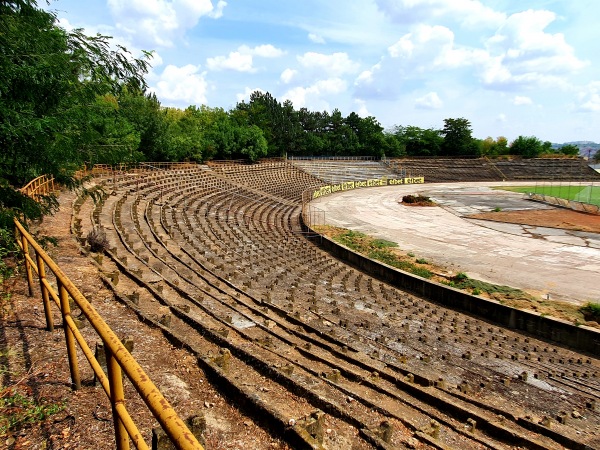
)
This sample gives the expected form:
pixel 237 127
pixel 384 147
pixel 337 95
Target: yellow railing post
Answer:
pixel 65 310
pixel 119 360
pixel 25 248
pixel 117 396
pixel 45 295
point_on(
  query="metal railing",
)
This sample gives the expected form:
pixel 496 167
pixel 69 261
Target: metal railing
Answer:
pixel 141 167
pixel 118 359
pixel 42 185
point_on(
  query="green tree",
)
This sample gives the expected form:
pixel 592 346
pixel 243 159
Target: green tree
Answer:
pixel 219 136
pixel 264 111
pixel 547 148
pixel 393 147
pixel 341 139
pixel 369 132
pixel 458 140
pixel 250 142
pixel 111 138
pixel 569 149
pixel 148 118
pixel 491 147
pixel 186 134
pixel 502 145
pixel 50 80
pixel 526 146
pixel 419 141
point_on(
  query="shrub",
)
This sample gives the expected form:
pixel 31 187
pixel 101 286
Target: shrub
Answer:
pixel 18 410
pixel 8 248
pixel 591 311
pixel 97 240
pixel 415 199
pixel 382 243
pixel 423 273
pixel 422 261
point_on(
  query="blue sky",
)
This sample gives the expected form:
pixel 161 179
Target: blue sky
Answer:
pixel 511 67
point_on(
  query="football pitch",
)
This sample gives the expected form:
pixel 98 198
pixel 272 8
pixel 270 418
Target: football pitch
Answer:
pixel 585 193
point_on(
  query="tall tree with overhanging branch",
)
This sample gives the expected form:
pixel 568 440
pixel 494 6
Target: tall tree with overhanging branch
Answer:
pixel 50 80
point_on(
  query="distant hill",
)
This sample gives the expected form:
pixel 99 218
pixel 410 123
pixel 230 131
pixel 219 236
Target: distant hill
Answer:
pixel 586 148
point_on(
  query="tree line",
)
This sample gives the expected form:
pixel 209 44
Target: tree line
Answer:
pixel 133 126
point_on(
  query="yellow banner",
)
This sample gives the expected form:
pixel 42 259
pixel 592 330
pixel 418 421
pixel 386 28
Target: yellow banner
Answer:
pixel 349 185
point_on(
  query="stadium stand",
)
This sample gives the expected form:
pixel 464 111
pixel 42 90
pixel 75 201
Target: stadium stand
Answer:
pixel 338 170
pixel 484 169
pixel 219 250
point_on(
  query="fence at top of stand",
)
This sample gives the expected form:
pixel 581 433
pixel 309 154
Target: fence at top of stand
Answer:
pixel 107 169
pixel 54 285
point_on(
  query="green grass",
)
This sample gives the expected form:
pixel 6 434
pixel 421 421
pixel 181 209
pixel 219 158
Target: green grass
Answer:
pixel 18 410
pixel 379 250
pixel 591 311
pixel 579 193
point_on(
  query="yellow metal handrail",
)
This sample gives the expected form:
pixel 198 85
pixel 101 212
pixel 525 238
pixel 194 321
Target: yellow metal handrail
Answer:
pixel 118 358
pixel 42 185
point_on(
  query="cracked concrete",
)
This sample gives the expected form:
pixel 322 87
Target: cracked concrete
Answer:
pixel 563 265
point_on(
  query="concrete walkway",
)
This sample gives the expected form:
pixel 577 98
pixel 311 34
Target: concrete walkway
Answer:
pixel 564 265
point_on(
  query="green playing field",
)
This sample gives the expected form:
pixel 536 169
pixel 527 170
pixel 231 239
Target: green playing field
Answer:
pixel 580 193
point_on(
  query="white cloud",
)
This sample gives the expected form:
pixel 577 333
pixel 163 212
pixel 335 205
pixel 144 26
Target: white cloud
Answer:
pixel 501 118
pixel 160 22
pixel 317 39
pixel 333 65
pixel 522 100
pixel 242 60
pixel 367 76
pixel 471 13
pixel 264 51
pixel 519 54
pixel 522 53
pixel 217 12
pixel 589 98
pixel 156 60
pixel 234 61
pixel 592 104
pixel 181 85
pixel 287 75
pixel 65 24
pixel 433 47
pixel 429 101
pixel 312 96
pixel 362 108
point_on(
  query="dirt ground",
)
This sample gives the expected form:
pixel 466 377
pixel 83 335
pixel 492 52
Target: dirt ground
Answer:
pixel 564 219
pixel 34 367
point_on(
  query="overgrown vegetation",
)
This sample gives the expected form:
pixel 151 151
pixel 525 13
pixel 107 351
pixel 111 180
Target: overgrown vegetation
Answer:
pixel 591 311
pixel 56 109
pixel 506 295
pixel 18 410
pixel 97 240
pixel 8 248
pixel 377 249
pixel 417 199
pixel 462 281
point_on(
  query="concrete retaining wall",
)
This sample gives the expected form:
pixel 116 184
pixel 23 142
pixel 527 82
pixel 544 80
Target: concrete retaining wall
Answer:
pixel 559 331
